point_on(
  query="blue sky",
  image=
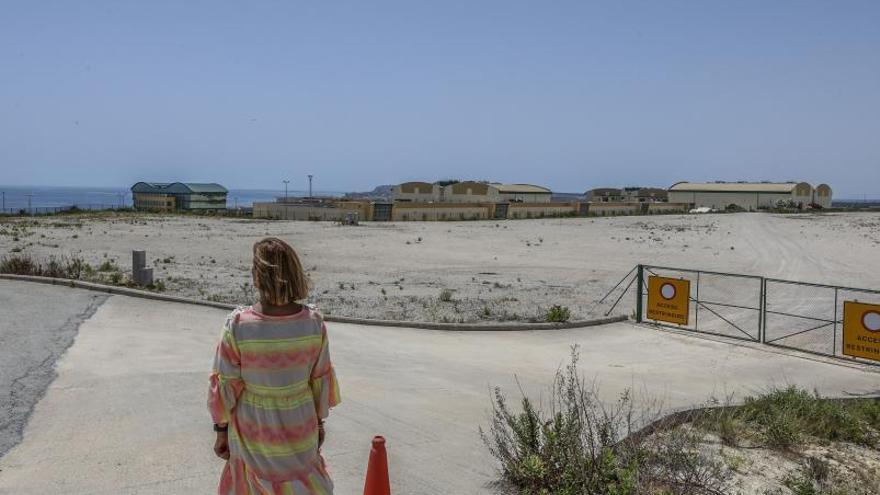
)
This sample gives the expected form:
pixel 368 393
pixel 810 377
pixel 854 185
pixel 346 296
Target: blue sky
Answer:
pixel 571 95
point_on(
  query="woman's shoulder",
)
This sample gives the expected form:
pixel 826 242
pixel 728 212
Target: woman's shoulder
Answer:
pixel 248 314
pixel 313 312
pixel 234 316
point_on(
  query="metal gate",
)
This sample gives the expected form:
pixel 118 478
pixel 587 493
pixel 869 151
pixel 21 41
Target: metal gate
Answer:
pixel 382 212
pixel 809 317
pixel 802 316
pixel 725 304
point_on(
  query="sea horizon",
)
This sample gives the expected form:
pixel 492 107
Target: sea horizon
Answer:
pixel 14 198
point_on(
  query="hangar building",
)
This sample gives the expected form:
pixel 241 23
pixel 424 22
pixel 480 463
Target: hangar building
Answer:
pixel 749 195
pixel 471 192
pixel 626 195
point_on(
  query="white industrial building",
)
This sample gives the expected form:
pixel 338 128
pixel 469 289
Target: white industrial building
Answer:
pixel 749 195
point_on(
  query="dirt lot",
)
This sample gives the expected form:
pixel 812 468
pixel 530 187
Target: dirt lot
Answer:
pixel 462 271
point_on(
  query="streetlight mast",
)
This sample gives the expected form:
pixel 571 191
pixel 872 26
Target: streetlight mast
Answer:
pixel 310 185
pixel 285 188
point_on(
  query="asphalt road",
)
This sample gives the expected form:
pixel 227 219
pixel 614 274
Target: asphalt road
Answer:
pixel 126 414
pixel 38 323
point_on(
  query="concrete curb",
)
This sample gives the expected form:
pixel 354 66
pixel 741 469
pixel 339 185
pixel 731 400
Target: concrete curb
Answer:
pixel 145 294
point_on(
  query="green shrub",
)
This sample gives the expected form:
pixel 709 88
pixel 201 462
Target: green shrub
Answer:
pixel 446 295
pixel 558 314
pixel 577 444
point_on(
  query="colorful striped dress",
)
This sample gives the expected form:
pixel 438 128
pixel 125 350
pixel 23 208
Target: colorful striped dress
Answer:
pixel 272 381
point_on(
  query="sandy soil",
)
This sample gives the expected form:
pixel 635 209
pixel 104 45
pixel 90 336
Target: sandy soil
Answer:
pixel 852 469
pixel 494 270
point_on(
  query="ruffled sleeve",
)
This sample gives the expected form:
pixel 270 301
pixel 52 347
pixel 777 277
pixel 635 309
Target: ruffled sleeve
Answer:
pixel 226 383
pixel 325 388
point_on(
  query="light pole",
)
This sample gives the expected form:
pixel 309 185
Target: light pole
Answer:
pixel 29 196
pixel 285 189
pixel 310 185
pixel 4 202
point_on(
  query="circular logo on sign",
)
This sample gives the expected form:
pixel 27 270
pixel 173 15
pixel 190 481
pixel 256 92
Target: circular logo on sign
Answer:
pixel 668 291
pixel 871 321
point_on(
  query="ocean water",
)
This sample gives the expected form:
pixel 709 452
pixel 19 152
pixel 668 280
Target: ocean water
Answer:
pixel 47 198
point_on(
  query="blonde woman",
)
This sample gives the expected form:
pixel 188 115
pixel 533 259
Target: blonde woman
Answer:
pixel 273 384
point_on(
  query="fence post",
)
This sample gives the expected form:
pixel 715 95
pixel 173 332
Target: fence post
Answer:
pixel 834 331
pixel 640 274
pixel 697 305
pixel 762 316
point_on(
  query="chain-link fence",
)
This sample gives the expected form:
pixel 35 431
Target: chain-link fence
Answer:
pixel 725 304
pixel 809 317
pixel 796 315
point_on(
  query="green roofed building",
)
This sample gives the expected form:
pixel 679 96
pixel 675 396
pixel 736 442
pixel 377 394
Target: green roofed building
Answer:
pixel 178 196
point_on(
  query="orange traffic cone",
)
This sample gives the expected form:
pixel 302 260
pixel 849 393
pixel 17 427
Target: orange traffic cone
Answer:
pixel 377 471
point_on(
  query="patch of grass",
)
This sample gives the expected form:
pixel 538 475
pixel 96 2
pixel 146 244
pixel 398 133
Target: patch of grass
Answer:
pixel 158 285
pixel 446 295
pixel 784 418
pixel 63 267
pixel 108 266
pixel 558 314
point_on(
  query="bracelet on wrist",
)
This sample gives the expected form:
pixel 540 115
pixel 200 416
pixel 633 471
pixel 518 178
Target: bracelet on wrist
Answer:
pixel 221 429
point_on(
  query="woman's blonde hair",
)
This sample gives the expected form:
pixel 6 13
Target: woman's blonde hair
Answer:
pixel 278 274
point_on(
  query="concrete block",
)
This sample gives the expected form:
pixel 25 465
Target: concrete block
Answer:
pixel 138 260
pixel 143 276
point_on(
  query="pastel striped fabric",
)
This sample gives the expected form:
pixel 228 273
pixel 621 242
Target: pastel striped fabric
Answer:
pixel 272 381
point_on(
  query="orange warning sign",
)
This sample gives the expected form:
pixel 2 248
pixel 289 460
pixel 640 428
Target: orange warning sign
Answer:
pixel 861 330
pixel 669 299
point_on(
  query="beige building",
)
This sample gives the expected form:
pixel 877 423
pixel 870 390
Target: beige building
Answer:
pixel 428 212
pixel 749 195
pixel 313 210
pixel 519 193
pixel 470 192
pixel 626 195
pixel 541 210
pixel 466 192
pixel 822 195
pixel 416 192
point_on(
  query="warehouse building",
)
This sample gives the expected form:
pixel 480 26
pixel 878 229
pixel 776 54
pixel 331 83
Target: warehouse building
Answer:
pixel 470 192
pixel 416 192
pixel 519 193
pixel 626 195
pixel 750 195
pixel 178 196
pixel 314 209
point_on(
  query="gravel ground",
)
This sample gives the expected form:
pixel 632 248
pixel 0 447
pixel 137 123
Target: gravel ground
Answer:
pixel 511 270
